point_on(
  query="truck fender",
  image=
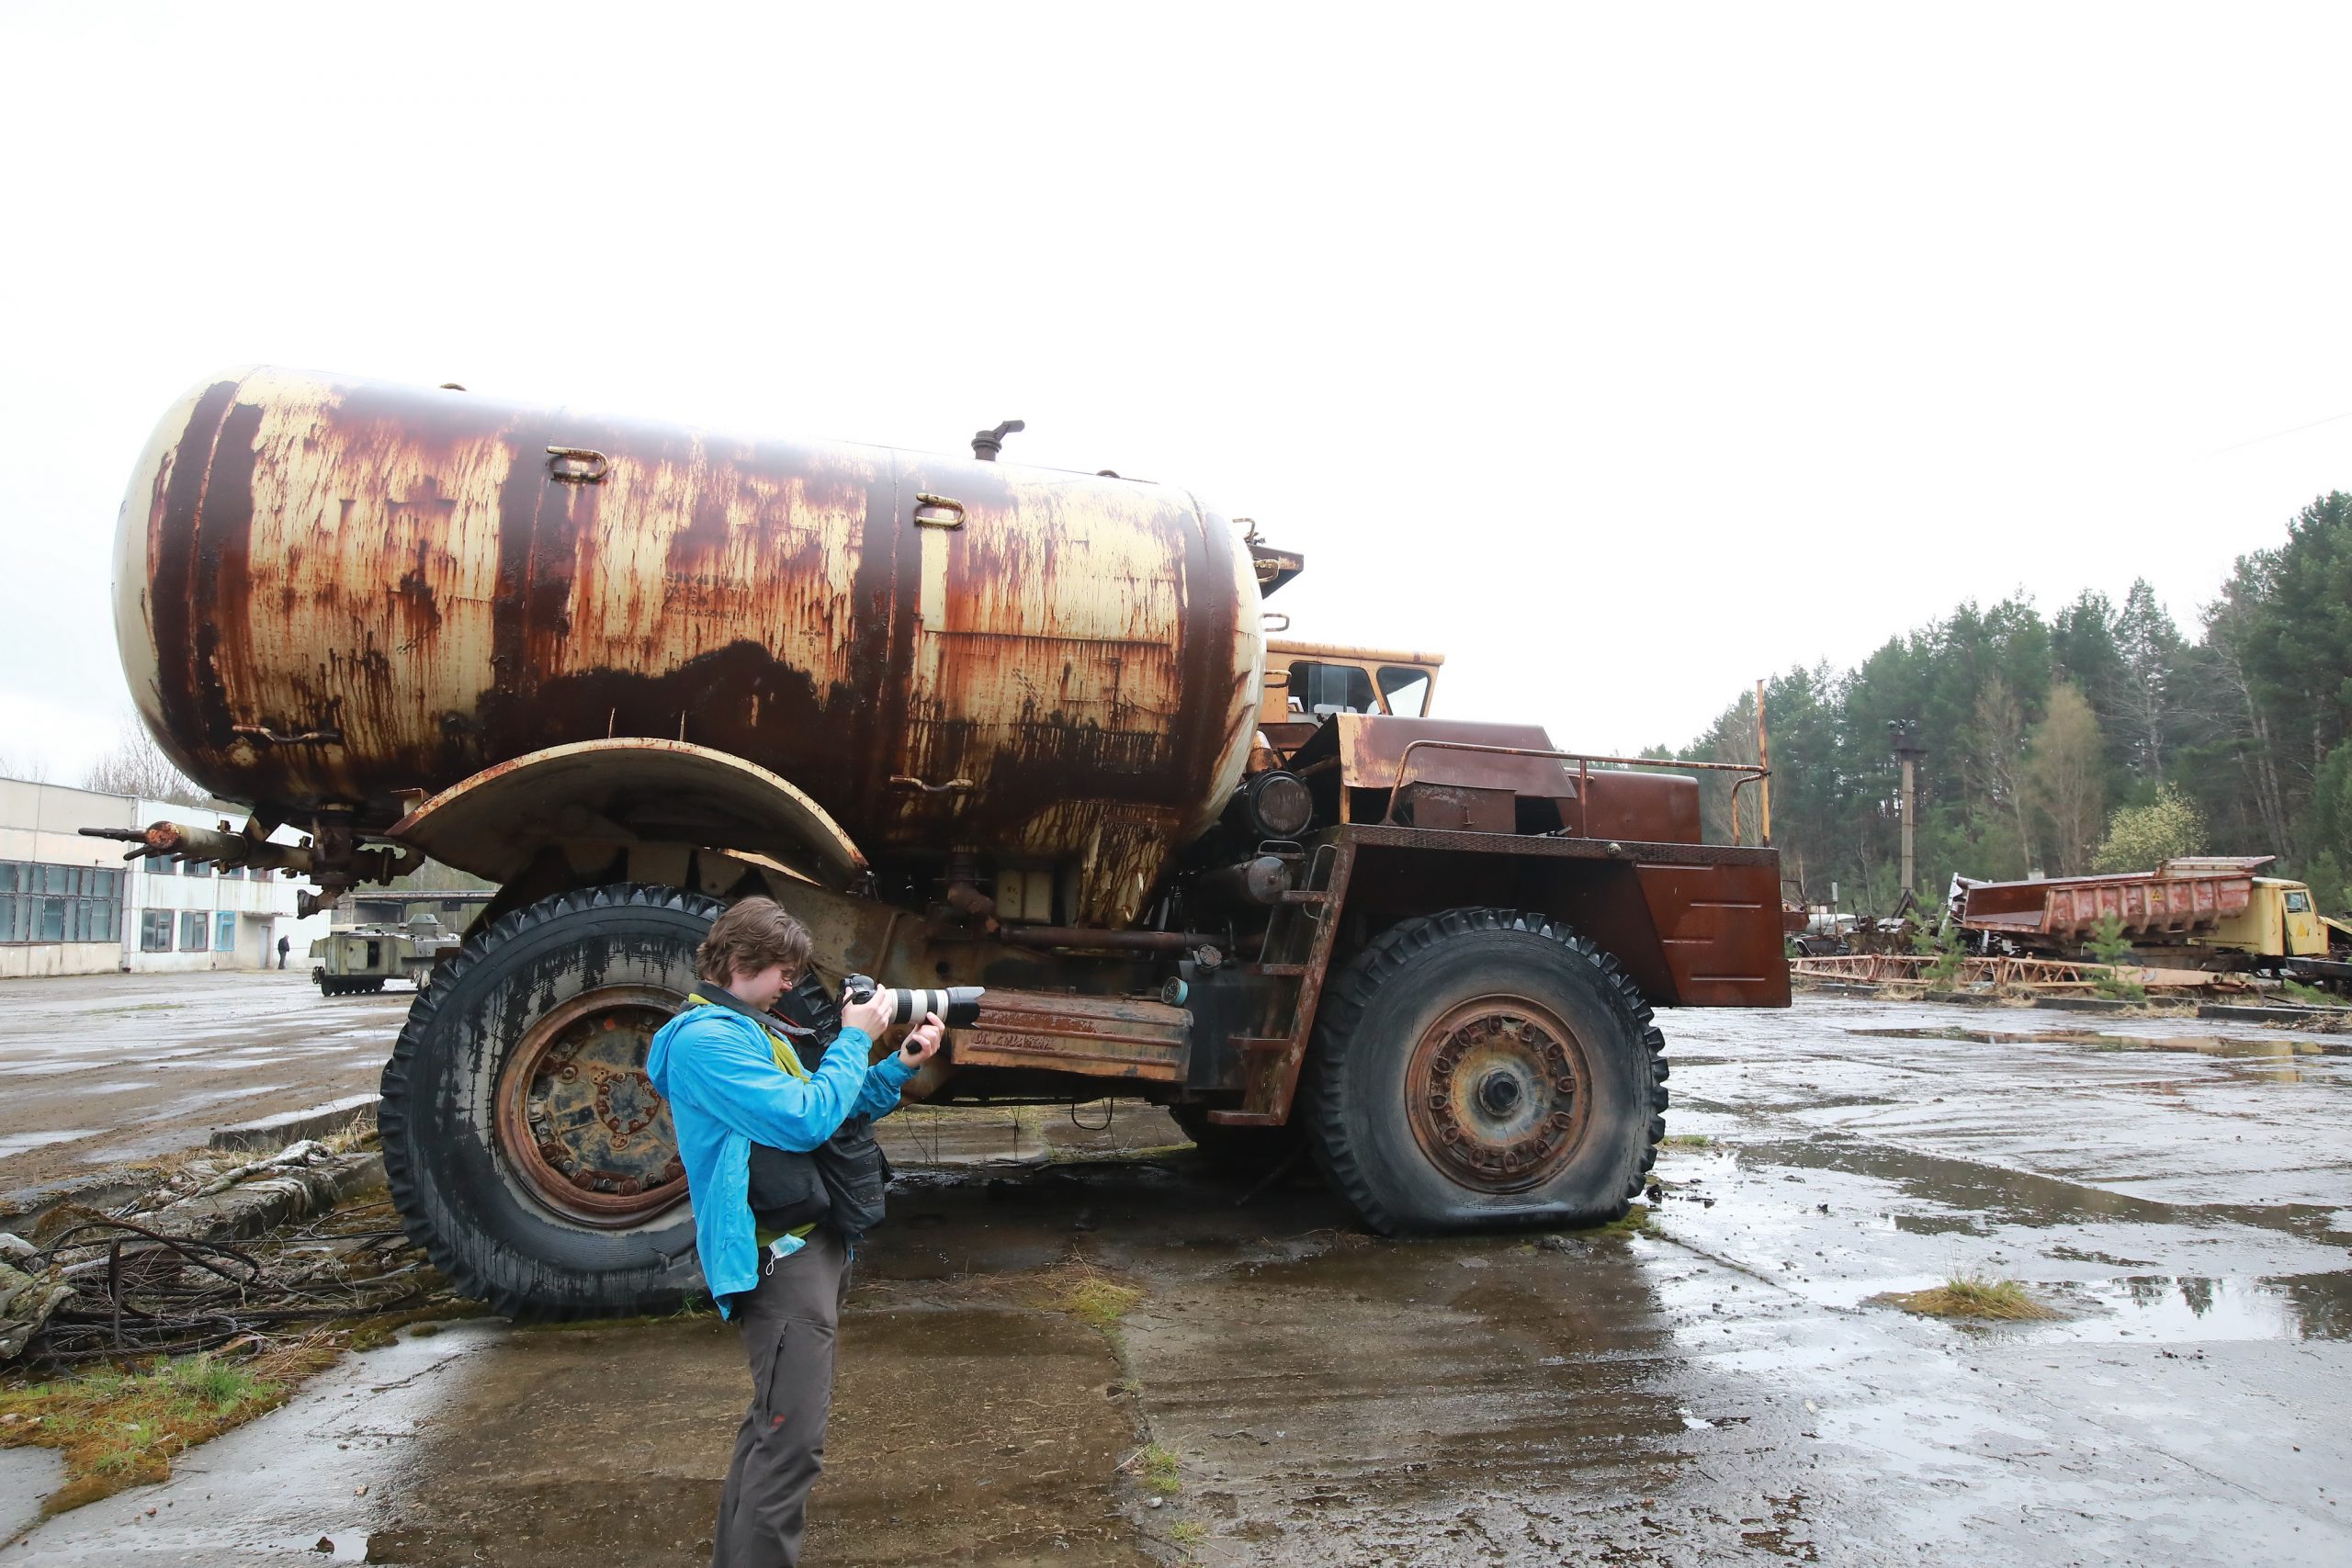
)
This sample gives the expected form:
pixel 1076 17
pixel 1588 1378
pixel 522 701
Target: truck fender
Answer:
pixel 633 794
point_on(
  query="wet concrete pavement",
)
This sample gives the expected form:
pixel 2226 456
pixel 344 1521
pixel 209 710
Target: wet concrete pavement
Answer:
pixel 98 1070
pixel 1714 1385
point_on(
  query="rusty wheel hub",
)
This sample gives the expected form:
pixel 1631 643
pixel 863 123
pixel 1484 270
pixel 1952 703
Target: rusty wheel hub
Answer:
pixel 1493 1092
pixel 579 1120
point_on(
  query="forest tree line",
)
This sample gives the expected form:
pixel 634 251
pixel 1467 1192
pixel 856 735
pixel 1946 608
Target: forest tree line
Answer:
pixel 2102 738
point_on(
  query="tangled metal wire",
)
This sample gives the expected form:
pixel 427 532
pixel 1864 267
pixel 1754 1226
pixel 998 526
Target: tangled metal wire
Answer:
pixel 133 1289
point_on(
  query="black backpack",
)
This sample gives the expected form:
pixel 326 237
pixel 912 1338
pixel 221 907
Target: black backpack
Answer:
pixel 844 1179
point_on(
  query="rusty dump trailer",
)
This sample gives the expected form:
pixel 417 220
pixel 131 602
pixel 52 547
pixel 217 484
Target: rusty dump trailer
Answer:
pixel 2202 911
pixel 974 723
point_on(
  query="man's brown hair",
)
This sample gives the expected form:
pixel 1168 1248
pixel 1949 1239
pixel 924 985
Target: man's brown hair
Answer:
pixel 749 937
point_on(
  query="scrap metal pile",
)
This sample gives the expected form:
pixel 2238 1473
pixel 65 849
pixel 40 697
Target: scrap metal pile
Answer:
pixel 2001 972
pixel 162 1274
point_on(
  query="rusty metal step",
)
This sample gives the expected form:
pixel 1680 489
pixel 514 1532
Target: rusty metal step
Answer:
pixel 1244 1119
pixel 1248 1042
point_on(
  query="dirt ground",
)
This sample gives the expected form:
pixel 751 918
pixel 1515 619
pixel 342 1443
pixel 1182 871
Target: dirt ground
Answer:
pixel 1713 1383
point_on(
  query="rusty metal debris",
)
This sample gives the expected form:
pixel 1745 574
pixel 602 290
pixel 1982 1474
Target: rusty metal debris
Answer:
pixel 95 1285
pixel 2040 974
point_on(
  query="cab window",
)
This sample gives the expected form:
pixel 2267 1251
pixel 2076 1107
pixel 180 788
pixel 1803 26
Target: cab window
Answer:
pixel 2299 902
pixel 1407 691
pixel 1322 689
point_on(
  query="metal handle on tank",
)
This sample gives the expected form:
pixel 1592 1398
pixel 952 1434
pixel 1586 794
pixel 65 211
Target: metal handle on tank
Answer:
pixel 578 465
pixel 916 786
pixel 938 512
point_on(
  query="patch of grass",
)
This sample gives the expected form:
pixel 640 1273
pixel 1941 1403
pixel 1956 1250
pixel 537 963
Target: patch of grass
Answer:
pixel 123 1427
pixel 1071 1156
pixel 2307 996
pixel 1161 1470
pixel 1686 1141
pixel 1098 1302
pixel 375 1333
pixel 1971 1295
pixel 357 1134
pixel 1188 1532
pixel 1636 1220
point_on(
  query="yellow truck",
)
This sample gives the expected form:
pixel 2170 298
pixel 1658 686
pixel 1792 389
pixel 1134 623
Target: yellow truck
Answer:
pixel 2196 911
pixel 2282 921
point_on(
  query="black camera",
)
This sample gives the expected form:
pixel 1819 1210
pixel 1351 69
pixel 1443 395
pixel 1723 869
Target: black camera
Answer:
pixel 957 1006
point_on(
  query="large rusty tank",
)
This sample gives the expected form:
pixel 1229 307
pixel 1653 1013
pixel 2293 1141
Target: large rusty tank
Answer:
pixel 334 595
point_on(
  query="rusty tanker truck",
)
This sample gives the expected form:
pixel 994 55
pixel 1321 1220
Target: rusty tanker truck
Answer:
pixel 974 723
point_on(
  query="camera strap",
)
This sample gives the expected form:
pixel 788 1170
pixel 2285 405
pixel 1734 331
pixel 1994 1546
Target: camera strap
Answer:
pixel 783 1037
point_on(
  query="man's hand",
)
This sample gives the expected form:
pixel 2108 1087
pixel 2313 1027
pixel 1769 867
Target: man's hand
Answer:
pixel 873 1015
pixel 922 1044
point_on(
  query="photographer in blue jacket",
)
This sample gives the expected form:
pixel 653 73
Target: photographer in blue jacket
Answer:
pixel 786 1178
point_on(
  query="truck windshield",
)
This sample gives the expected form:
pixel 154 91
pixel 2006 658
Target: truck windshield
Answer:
pixel 2299 902
pixel 1330 688
pixel 1407 691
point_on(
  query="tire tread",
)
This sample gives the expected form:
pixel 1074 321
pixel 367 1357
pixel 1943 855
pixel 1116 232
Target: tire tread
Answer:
pixel 1352 992
pixel 394 1119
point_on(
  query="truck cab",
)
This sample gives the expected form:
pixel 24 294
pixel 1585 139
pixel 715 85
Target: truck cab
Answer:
pixel 2281 921
pixel 1308 681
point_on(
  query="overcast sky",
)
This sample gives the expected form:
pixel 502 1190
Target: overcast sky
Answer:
pixel 1622 356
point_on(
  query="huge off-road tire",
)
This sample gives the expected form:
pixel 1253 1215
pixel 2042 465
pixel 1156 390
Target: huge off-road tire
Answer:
pixel 526 1148
pixel 1484 1068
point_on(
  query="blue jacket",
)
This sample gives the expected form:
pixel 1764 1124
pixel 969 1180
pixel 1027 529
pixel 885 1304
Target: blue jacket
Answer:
pixel 718 1069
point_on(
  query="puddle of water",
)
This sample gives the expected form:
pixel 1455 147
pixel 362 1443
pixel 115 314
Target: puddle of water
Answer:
pixel 2184 1308
pixel 2098 1040
pixel 27 1475
pixel 2218 1045
pixel 1974 1196
pixel 18 1143
pixel 1944 1032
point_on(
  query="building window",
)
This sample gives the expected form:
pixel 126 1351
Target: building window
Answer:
pixel 59 903
pixel 224 933
pixel 155 931
pixel 162 868
pixel 192 924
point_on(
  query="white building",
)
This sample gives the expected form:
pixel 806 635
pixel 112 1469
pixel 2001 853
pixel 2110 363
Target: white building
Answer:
pixel 73 906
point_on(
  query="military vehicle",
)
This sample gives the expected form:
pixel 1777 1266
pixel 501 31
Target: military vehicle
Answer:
pixel 357 960
pixel 975 724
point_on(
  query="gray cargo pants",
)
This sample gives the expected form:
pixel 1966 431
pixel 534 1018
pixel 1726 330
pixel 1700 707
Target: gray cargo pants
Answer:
pixel 788 1323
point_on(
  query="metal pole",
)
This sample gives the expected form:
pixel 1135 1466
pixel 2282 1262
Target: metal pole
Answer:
pixel 1910 799
pixel 1764 760
pixel 1903 737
